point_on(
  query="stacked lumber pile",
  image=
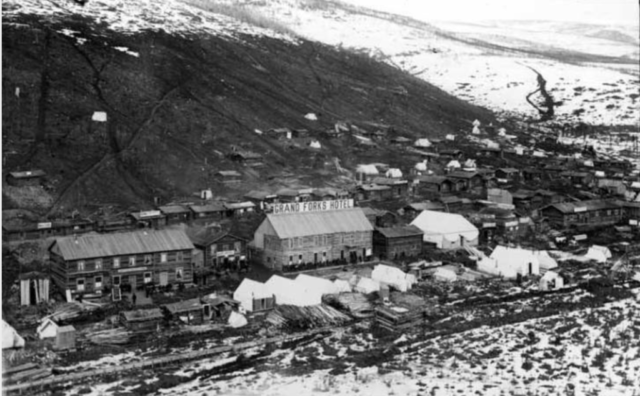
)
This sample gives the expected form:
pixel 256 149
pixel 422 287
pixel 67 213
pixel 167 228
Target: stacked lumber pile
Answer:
pixel 356 304
pixel 68 312
pixel 293 317
pixel 117 336
pixel 25 372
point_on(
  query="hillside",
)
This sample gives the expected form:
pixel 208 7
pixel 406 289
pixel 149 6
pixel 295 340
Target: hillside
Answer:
pixel 181 87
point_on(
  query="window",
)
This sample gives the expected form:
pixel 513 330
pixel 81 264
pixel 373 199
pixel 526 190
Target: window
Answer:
pixel 116 280
pixel 225 247
pixel 80 284
pixel 237 246
pixel 116 262
pixel 98 264
pixel 290 259
pixel 179 256
pixel 163 257
pixel 147 277
pixel 300 258
pixel 214 249
pixel 98 282
pixel 179 274
pixel 81 266
pixel 132 261
pixel 147 259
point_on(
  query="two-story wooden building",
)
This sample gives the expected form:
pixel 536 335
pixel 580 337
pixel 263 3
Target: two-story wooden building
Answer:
pixel 397 242
pixel 594 213
pixel 89 263
pixel 220 249
pixel 300 237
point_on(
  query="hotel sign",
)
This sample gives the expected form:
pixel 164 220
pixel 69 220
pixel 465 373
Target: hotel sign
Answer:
pixel 312 206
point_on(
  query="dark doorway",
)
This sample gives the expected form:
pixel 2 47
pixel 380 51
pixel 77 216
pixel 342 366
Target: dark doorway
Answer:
pixel 353 256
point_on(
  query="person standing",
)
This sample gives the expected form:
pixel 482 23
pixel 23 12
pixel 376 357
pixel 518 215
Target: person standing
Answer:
pixel 134 297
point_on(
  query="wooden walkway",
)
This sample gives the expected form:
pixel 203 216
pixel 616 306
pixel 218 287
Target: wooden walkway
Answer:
pixel 156 362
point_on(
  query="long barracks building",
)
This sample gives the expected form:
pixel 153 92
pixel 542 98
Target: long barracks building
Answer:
pixel 314 232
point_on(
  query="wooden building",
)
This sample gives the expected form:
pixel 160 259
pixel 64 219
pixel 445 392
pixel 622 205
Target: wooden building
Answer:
pixel 65 339
pixel 221 250
pixel 211 211
pixel 87 264
pixel 247 158
pixel 25 178
pixel 191 311
pixel 436 184
pixel 466 181
pixel 399 188
pixel 229 177
pixel 149 219
pixel 142 319
pixel 261 198
pixel 509 174
pixel 237 209
pixel 176 214
pixel 373 192
pixel 584 213
pixel 397 242
pixel 285 239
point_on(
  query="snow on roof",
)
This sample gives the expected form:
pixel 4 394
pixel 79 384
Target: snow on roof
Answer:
pixel 450 225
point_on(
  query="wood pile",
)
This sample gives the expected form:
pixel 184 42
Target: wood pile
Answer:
pixel 70 311
pixel 117 336
pixel 356 304
pixel 293 317
pixel 25 372
pixel 405 311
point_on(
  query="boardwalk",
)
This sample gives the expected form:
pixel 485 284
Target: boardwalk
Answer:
pixel 157 362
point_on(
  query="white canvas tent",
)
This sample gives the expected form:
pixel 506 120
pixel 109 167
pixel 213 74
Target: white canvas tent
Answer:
pixel 237 320
pixel 364 285
pixel 47 329
pixel 509 262
pixel 599 254
pixel 453 164
pixel 394 173
pixel 288 292
pixel 421 166
pixel 446 230
pixel 445 275
pixel 341 286
pixel 393 277
pixel 10 337
pixel 422 143
pixel 319 285
pixel 250 290
pixel 551 280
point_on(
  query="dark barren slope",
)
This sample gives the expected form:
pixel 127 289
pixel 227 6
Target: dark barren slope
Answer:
pixel 176 110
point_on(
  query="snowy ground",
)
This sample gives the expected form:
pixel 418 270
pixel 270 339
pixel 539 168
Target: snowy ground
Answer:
pixel 591 351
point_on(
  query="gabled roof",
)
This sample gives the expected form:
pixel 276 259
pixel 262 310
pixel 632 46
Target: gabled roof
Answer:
pixel 239 205
pixel 229 173
pixel 259 195
pixel 509 170
pixel 120 244
pixel 450 199
pixel 191 305
pixel 420 206
pixel 373 187
pixel 387 181
pixel 433 179
pixel 206 236
pixel 399 232
pixel 447 224
pixel 291 225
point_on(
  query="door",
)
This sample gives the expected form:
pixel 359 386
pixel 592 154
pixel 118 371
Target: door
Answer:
pixel 315 257
pixel 132 282
pixel 353 257
pixel 164 278
pixel 530 268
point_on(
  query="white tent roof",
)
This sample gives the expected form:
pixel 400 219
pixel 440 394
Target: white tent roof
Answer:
pixel 252 288
pixel 603 249
pixel 421 166
pixel 319 285
pixel 289 292
pixel 394 172
pixel 454 164
pixel 445 274
pixel 365 285
pixel 237 320
pixel 10 337
pixel 422 143
pixel 341 286
pixel 450 225
pixel 503 254
pixel 596 255
pixel 367 169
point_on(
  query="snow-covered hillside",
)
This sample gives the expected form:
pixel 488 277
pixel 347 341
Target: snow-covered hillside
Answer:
pixel 592 70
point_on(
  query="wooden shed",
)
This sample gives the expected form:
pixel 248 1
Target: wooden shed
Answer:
pixel 191 311
pixel 142 319
pixel 25 178
pixel 65 338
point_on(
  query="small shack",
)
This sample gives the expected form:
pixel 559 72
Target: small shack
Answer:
pixel 254 296
pixel 34 288
pixel 142 319
pixel 221 306
pixel 65 338
pixel 189 311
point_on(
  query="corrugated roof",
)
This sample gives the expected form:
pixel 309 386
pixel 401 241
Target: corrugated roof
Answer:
pixel 120 244
pixel 293 225
pixel 398 232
